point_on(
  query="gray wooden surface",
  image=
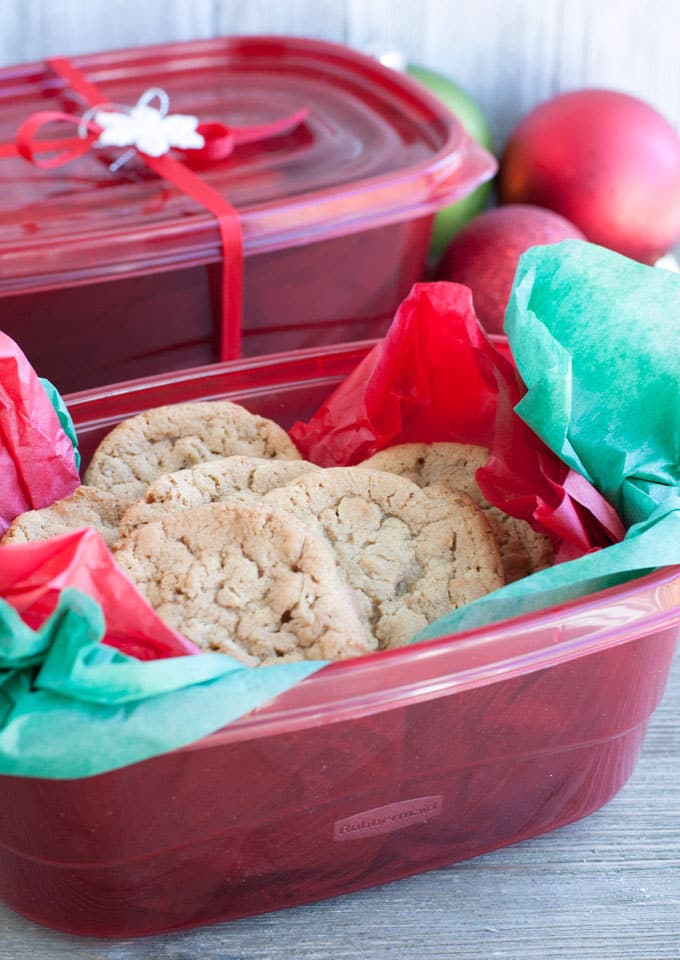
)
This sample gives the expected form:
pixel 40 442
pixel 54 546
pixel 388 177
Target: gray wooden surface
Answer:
pixel 509 54
pixel 606 888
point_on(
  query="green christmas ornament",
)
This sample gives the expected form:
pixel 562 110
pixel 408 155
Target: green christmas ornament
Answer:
pixel 450 219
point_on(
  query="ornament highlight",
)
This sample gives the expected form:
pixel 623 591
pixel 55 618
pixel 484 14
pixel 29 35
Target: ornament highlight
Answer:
pixel 606 161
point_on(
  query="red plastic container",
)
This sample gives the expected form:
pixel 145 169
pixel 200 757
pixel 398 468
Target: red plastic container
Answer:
pixel 105 277
pixel 370 770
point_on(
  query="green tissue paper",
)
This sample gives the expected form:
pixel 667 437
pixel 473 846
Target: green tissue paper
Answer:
pixel 594 337
pixel 63 415
pixel 71 706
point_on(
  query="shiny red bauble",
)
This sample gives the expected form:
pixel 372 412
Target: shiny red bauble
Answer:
pixel 604 160
pixel 484 254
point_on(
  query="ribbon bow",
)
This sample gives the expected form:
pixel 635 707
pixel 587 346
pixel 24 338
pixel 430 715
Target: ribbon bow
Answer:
pixel 154 134
pixel 151 132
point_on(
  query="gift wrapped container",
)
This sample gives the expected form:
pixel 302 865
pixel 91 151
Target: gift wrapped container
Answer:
pixel 109 274
pixel 367 771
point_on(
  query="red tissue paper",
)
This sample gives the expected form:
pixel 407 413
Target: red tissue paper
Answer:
pixel 37 461
pixel 437 377
pixel 32 575
pixel 37 467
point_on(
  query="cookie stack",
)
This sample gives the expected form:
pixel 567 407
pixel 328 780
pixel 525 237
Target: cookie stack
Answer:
pixel 245 548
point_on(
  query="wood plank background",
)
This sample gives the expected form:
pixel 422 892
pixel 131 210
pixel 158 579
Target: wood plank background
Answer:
pixel 509 54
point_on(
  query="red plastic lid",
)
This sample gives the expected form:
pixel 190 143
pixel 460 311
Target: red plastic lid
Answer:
pixel 375 148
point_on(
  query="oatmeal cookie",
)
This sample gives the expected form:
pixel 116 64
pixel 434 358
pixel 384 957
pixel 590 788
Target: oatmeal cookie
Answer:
pixel 171 438
pixel 411 557
pixel 86 507
pixel 247 580
pixel 239 478
pixel 523 550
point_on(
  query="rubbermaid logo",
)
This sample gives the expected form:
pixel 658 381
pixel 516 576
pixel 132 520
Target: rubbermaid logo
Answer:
pixel 393 816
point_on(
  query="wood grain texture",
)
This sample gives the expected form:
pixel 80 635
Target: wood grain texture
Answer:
pixel 605 888
pixel 509 54
pixel 324 19
pixel 514 54
pixel 33 29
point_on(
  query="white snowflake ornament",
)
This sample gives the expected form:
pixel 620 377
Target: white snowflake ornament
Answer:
pixel 151 131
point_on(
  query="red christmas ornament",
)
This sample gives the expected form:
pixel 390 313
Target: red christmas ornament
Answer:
pixel 484 254
pixel 606 161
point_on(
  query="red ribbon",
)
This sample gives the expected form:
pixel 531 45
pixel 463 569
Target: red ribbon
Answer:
pixel 28 147
pixel 220 141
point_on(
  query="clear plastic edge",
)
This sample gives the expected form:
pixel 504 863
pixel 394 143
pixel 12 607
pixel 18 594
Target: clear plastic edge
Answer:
pixel 465 661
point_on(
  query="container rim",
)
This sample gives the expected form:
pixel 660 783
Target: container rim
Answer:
pixel 467 660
